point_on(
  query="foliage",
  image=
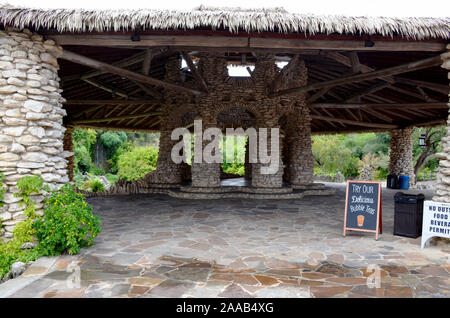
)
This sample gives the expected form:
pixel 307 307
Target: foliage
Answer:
pixel 83 145
pixel 434 136
pixel 67 224
pixel 112 178
pixel 11 252
pixel 91 185
pixel 237 165
pixel 332 156
pixel 137 163
pixel 27 186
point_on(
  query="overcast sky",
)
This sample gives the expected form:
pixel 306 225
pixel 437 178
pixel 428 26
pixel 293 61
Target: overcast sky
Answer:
pixel 393 8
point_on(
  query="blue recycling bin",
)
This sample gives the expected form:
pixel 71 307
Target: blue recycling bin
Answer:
pixel 403 182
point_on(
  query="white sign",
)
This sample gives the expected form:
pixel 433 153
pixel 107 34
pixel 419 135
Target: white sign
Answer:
pixel 436 220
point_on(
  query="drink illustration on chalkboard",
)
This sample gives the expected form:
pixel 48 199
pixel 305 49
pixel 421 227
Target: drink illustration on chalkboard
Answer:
pixel 360 220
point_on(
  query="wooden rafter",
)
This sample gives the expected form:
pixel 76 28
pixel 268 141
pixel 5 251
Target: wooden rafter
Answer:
pixel 147 61
pixel 100 120
pixel 443 89
pixel 107 88
pixel 281 77
pixel 354 123
pixel 382 105
pixel 367 91
pixel 198 77
pixel 83 60
pixel 404 68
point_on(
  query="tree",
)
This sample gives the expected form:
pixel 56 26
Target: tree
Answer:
pixel 423 155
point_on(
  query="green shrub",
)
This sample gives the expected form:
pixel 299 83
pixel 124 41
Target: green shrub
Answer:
pixel 137 163
pixel 11 252
pixel 112 178
pixel 92 185
pixel 67 224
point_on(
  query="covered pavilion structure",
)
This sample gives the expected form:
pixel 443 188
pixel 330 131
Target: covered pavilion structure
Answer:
pixel 156 70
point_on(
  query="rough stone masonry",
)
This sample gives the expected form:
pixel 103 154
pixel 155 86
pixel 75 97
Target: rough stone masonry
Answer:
pixel 443 177
pixel 31 130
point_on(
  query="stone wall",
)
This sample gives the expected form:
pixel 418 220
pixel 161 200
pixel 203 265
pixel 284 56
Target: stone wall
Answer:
pixel 443 177
pixel 401 157
pixel 31 130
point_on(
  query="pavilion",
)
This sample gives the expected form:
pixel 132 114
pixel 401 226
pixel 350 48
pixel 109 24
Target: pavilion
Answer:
pixel 307 74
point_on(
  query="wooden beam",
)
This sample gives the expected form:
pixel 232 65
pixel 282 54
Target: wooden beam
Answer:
pixel 367 91
pixel 377 115
pixel 404 68
pixel 433 86
pixel 147 61
pixel 356 65
pixel 112 90
pixel 345 60
pixel 83 60
pixel 381 105
pixel 409 93
pixel 197 76
pixel 100 120
pixel 235 42
pixel 149 90
pixel 317 95
pixel 280 78
pixel 109 102
pixel 354 123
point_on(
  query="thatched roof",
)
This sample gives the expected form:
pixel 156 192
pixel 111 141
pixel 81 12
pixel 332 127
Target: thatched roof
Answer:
pixel 231 19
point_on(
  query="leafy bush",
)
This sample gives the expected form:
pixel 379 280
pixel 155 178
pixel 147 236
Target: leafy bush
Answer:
pixel 112 178
pixel 137 163
pixel 93 185
pixel 23 231
pixel 67 224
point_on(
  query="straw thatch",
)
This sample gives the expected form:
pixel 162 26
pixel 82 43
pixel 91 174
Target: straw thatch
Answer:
pixel 231 19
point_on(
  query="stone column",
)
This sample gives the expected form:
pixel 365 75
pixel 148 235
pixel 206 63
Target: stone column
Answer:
pixel 401 158
pixel 167 171
pixel 31 131
pixel 443 177
pixel 68 146
pixel 206 174
pixel 247 164
pixel 300 160
pixel 272 180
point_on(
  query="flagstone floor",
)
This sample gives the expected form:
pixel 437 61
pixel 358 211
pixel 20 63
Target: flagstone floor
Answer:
pixel 157 246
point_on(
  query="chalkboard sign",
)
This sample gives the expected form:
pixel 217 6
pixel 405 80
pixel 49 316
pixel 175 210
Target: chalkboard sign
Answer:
pixel 363 207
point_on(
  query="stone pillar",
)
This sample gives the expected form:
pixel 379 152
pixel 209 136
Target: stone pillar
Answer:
pixel 68 146
pixel 443 177
pixel 300 160
pixel 401 157
pixel 273 180
pixel 206 174
pixel 167 171
pixel 31 131
pixel 247 164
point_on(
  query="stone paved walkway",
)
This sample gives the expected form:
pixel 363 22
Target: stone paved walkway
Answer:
pixel 156 246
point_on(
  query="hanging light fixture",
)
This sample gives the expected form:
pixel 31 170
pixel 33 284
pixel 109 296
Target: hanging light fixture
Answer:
pixel 422 142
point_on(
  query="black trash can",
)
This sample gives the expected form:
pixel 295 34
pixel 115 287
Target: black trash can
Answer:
pixel 408 214
pixel 392 181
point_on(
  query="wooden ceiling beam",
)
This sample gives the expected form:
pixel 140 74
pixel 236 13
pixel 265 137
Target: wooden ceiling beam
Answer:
pixel 367 91
pixel 83 60
pixel 281 77
pixel 100 120
pixel 194 71
pixel 347 61
pixel 123 40
pixel 338 105
pixel 354 123
pixel 443 89
pixel 107 88
pixel 399 69
pixel 109 102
